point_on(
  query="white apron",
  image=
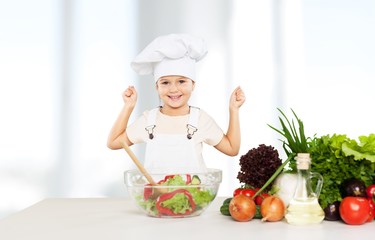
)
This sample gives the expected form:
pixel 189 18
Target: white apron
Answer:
pixel 173 153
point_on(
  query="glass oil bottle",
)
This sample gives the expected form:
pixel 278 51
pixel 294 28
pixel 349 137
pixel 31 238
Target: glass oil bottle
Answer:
pixel 304 208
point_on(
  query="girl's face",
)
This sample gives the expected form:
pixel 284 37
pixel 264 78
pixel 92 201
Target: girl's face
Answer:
pixel 175 91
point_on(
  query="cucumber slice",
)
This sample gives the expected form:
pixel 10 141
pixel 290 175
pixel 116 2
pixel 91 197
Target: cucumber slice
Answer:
pixel 195 180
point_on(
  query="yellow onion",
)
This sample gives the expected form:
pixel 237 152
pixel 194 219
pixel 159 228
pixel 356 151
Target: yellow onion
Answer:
pixel 242 208
pixel 272 209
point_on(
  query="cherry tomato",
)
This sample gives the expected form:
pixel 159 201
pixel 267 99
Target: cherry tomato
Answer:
pixel 354 210
pixel 242 208
pixel 259 199
pixel 248 192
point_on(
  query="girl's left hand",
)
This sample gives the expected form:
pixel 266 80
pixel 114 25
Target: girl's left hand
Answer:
pixel 237 98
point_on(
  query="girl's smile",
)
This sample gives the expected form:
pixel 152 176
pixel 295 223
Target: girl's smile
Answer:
pixel 175 98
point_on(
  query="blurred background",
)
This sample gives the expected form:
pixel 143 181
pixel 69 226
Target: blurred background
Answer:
pixel 64 65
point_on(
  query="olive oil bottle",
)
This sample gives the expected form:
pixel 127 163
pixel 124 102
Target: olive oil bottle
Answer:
pixel 304 208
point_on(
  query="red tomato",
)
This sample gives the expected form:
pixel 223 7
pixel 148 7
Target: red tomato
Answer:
pixel 237 192
pixel 244 191
pixel 372 210
pixel 354 210
pixel 260 197
pixel 248 192
pixel 242 208
pixel 370 191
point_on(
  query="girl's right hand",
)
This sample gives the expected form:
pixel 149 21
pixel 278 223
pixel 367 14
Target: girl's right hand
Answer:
pixel 130 96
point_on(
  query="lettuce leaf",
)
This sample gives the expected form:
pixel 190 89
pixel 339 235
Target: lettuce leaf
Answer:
pixel 364 150
pixel 177 180
pixel 201 198
pixel 179 203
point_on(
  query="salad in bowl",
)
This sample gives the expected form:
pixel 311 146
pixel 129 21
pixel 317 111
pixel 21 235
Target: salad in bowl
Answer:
pixel 174 196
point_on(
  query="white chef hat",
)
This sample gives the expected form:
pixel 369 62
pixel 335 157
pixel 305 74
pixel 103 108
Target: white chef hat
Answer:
pixel 173 54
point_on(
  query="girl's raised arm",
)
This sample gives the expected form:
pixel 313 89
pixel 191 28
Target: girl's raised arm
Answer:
pixel 230 144
pixel 118 131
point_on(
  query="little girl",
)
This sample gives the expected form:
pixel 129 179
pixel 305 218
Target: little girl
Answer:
pixel 174 132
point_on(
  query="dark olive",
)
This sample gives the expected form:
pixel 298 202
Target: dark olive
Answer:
pixel 332 212
pixel 353 187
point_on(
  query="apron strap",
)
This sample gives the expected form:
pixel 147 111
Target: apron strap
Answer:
pixel 192 125
pixel 151 119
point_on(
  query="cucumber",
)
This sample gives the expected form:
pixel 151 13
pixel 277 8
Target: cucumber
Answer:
pixel 224 209
pixel 258 215
pixel 195 180
pixel 227 201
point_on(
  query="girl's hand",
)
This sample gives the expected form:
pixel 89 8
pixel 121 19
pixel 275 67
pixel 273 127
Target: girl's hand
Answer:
pixel 130 96
pixel 237 98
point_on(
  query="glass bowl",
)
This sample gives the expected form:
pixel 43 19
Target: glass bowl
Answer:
pixel 174 196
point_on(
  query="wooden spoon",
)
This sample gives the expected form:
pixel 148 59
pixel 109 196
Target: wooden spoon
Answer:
pixel 156 191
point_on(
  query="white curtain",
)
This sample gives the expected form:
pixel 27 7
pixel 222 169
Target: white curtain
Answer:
pixel 65 63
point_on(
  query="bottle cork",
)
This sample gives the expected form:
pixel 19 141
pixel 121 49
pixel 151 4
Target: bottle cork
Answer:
pixel 303 160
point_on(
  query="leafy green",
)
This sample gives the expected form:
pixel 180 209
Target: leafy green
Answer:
pixel 364 150
pixel 201 197
pixel 179 203
pixel 149 205
pixel 176 180
pixel 332 157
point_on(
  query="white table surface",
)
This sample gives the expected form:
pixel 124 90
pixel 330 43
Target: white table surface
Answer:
pixel 119 218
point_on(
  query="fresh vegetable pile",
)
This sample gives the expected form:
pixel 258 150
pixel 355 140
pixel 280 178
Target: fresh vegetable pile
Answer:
pixel 347 167
pixel 245 205
pixel 185 197
pixel 339 158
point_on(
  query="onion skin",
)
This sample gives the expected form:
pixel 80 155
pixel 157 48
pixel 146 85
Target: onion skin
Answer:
pixel 242 208
pixel 272 209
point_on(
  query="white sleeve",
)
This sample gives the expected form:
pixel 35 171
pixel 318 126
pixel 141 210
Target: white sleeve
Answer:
pixel 136 131
pixel 212 133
